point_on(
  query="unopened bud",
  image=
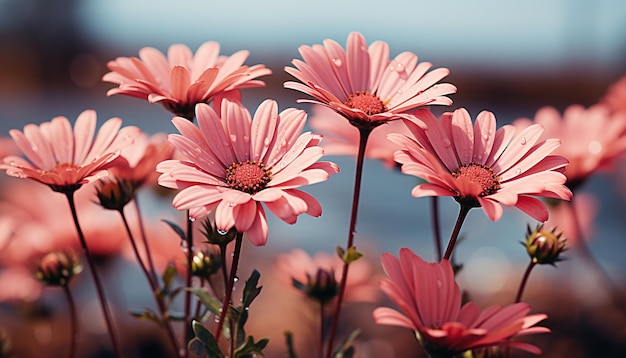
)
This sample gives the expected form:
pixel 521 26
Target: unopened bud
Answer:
pixel 58 268
pixel 322 287
pixel 205 263
pixel 114 194
pixel 545 246
pixel 215 236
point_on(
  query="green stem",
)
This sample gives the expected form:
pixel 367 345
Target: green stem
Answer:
pixel 94 273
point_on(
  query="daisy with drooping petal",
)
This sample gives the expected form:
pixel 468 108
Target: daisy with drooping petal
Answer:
pixel 235 163
pixel 182 79
pixel 430 301
pixel 64 159
pixel 592 138
pixel 363 84
pixel 480 166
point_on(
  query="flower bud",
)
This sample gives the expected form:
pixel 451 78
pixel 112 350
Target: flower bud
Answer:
pixel 544 246
pixel 114 194
pixel 215 236
pixel 205 263
pixel 322 287
pixel 58 268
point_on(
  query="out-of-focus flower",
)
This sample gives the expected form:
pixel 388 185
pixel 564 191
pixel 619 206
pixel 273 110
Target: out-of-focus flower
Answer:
pixel 205 263
pixel 592 138
pixel 235 163
pixel 299 266
pixel 19 284
pixel 64 159
pixel 341 138
pixel 137 162
pixel 585 208
pixel 363 84
pixel 182 79
pixel 58 268
pixel 544 246
pixel 480 166
pixel 430 301
pixel 615 97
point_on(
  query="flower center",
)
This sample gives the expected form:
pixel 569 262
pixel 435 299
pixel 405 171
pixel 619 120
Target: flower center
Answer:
pixel 366 102
pixel 480 174
pixel 249 176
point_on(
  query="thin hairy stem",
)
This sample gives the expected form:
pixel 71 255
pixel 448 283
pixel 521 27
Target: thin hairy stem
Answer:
pixel 522 286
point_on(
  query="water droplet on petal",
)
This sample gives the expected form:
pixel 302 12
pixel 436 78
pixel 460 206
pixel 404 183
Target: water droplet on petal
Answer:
pixel 594 147
pixel 267 142
pixel 184 245
pixel 233 138
pixel 523 141
pixel 13 164
pixel 246 139
pixel 235 279
pixel 231 205
pixel 399 92
pixel 518 171
pixel 34 148
pixel 399 67
pixel 337 62
pixel 485 136
pixel 446 143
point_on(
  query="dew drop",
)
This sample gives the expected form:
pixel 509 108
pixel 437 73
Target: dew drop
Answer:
pixel 184 245
pixel 518 171
pixel 446 142
pixel 399 92
pixel 13 164
pixel 231 205
pixel 283 143
pixel 233 138
pixel 246 139
pixel 337 62
pixel 485 136
pixel 192 219
pixel 594 147
pixel 523 141
pixel 34 148
pixel 222 232
pixel 236 278
pixel 266 142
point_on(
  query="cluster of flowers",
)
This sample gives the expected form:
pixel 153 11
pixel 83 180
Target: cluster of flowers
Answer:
pixel 229 166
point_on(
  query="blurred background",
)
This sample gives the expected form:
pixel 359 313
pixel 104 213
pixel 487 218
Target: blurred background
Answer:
pixel 507 57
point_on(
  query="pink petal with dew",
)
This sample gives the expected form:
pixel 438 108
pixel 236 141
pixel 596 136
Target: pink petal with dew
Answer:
pixel 463 135
pixel 257 233
pixel 500 143
pixel 484 130
pixel 518 147
pixel 212 128
pixel 238 130
pixel 196 195
pixel 263 126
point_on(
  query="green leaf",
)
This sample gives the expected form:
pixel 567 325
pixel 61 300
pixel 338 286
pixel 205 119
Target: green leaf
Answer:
pixel 250 348
pixel 251 291
pixel 289 342
pixel 212 303
pixel 350 255
pixel 206 338
pixel 146 314
pixel 180 232
pixel 168 277
pixel 345 349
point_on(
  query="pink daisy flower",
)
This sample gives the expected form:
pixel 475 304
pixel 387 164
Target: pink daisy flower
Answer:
pixel 615 96
pixel 182 79
pixel 137 163
pixel 363 84
pixel 480 166
pixel 430 301
pixel 361 286
pixel 235 163
pixel 64 159
pixel 592 138
pixel 341 138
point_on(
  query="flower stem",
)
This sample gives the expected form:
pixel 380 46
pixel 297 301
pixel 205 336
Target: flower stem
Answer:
pixel 322 328
pixel 360 159
pixel 73 321
pixel 142 231
pixel 522 285
pixel 94 273
pixel 434 201
pixel 464 209
pixel 187 322
pixel 231 284
pixel 153 285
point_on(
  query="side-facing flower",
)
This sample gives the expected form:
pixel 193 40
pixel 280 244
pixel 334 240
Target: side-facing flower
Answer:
pixel 137 162
pixel 592 138
pixel 480 166
pixel 615 96
pixel 363 84
pixel 235 163
pixel 64 159
pixel 182 79
pixel 341 138
pixel 430 301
